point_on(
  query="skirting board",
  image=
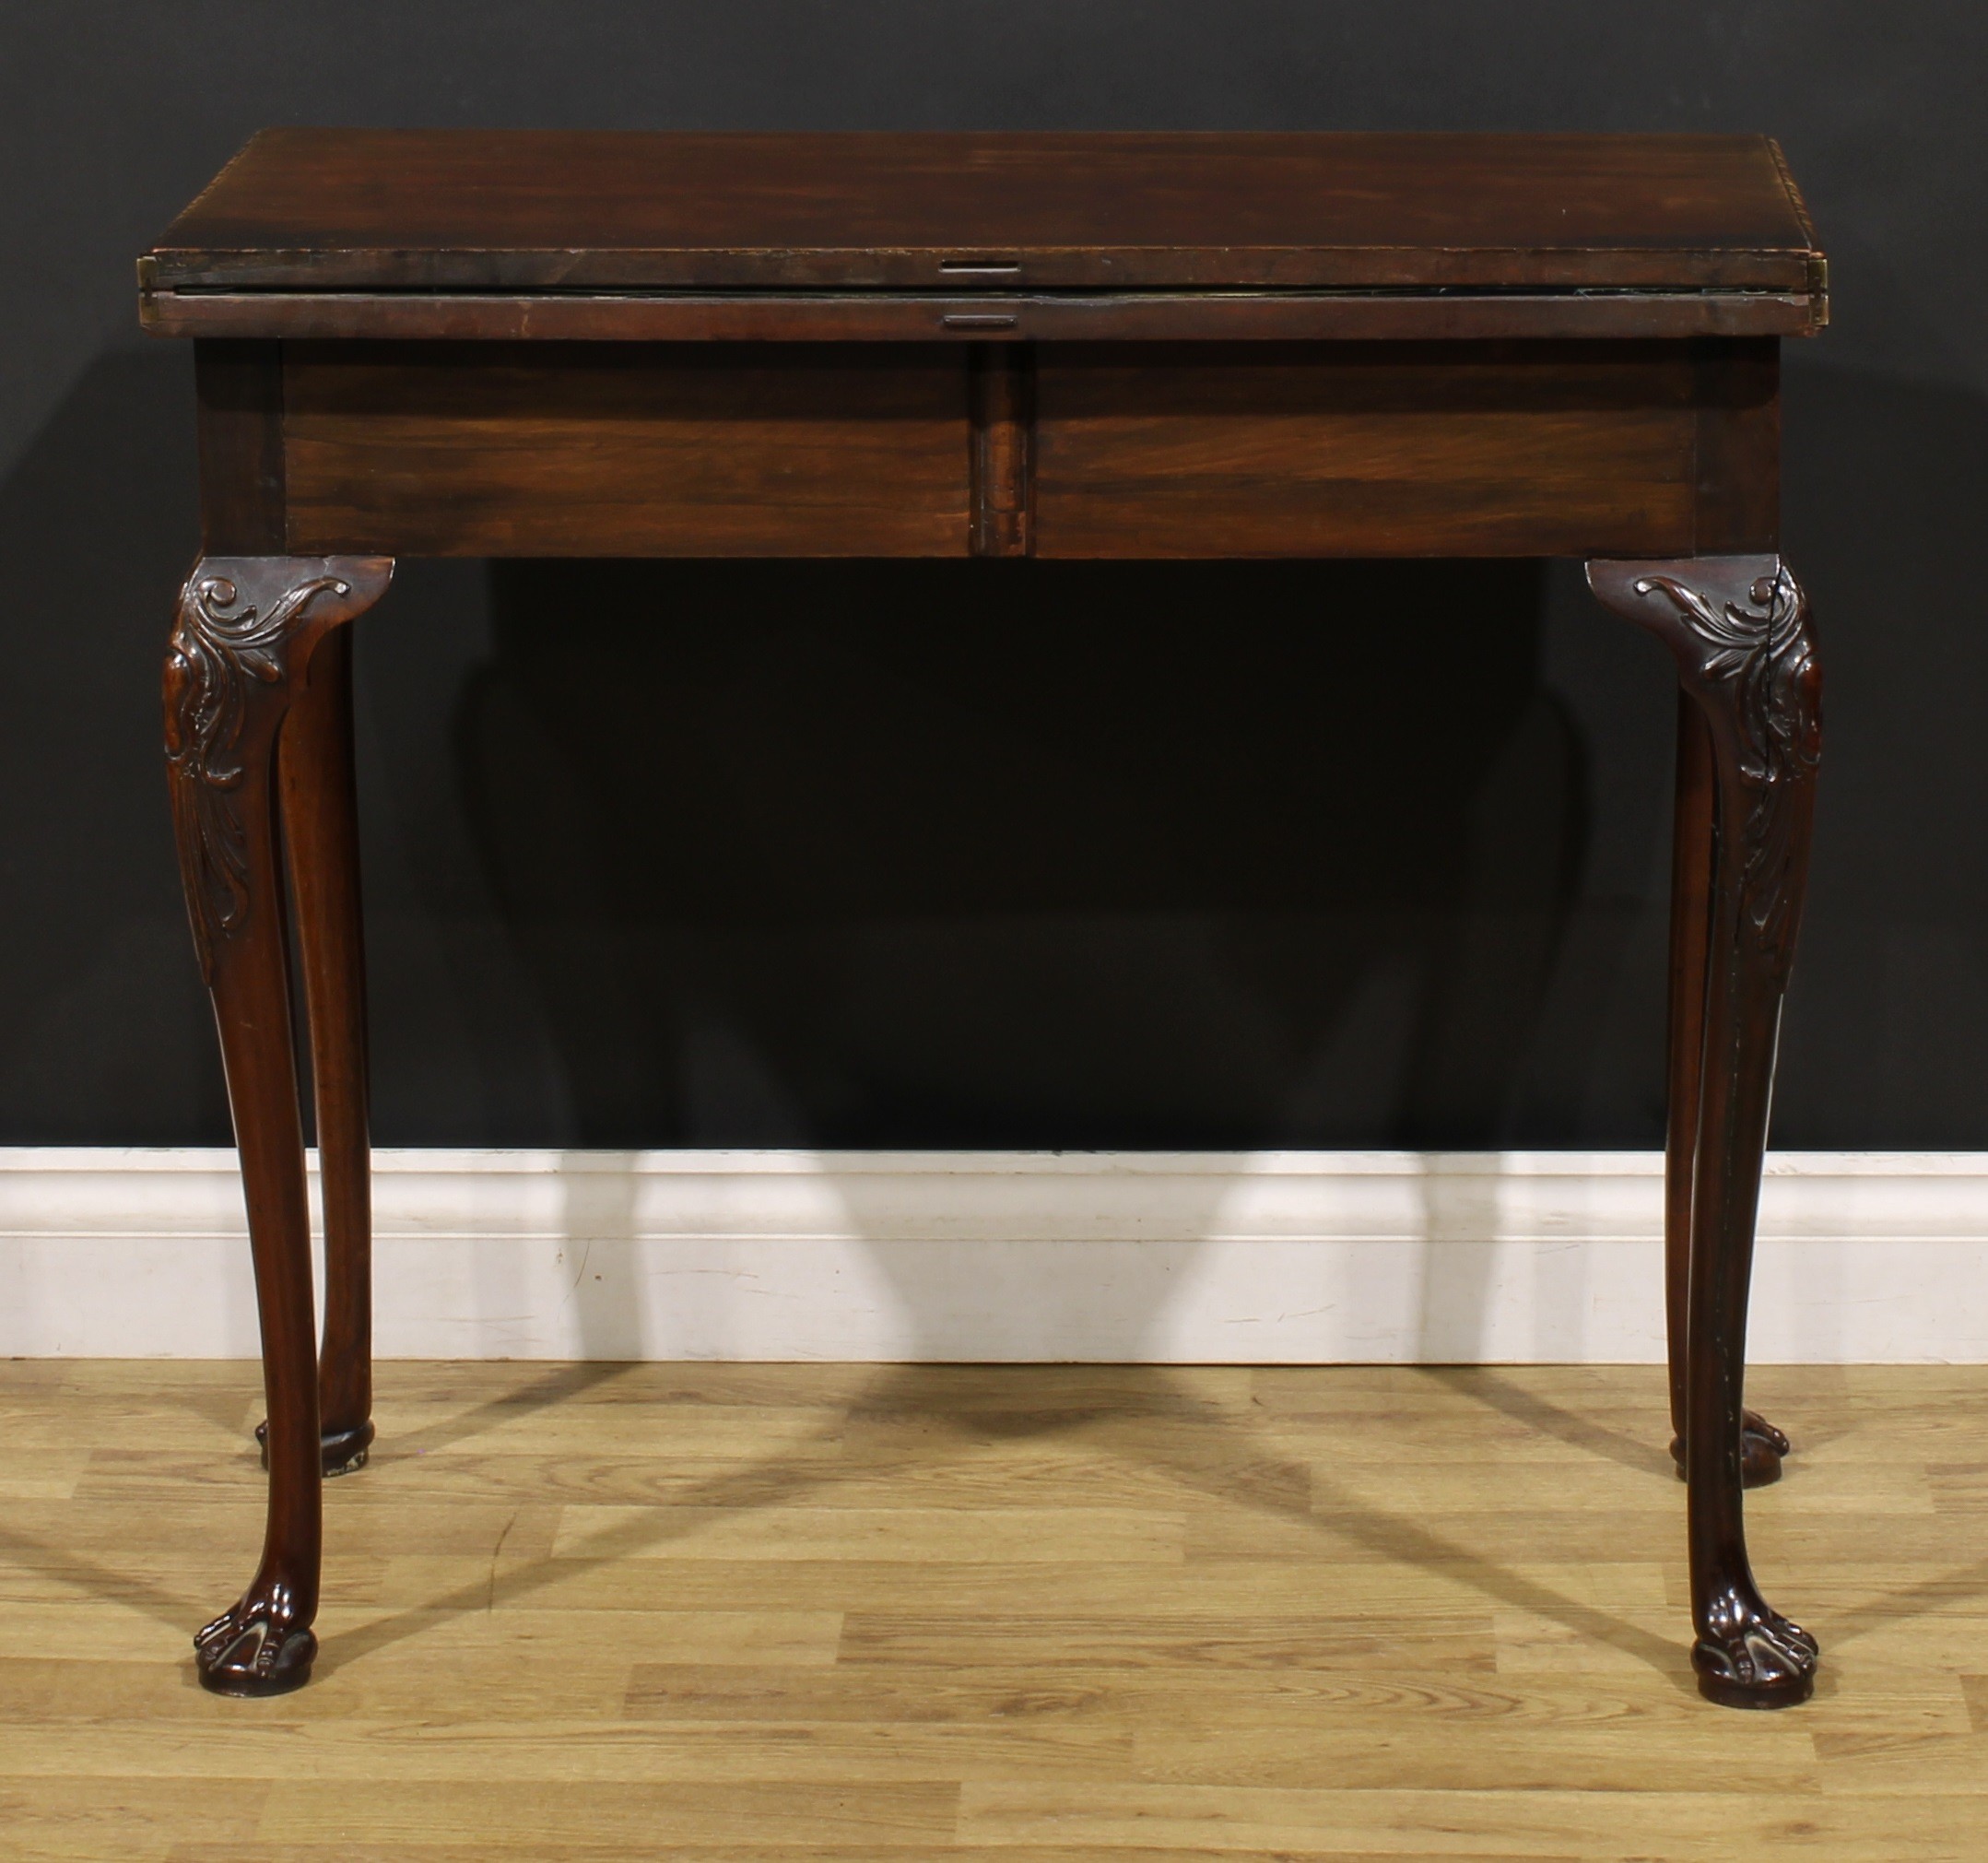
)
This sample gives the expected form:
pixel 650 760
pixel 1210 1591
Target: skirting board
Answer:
pixel 1280 1257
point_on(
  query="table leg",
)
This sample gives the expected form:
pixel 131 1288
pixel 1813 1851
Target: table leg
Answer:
pixel 1740 631
pixel 320 806
pixel 1761 1445
pixel 246 630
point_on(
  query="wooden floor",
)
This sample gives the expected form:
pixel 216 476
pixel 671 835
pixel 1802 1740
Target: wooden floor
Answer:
pixel 1042 1614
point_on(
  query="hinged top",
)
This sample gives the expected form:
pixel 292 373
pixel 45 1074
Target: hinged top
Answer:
pixel 510 209
pixel 607 234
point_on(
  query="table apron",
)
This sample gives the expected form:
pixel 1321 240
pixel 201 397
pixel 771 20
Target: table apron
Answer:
pixel 1576 448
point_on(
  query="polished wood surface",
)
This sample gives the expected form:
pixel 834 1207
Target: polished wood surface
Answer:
pixel 1046 1614
pixel 1441 448
pixel 1389 425
pixel 318 233
pixel 1740 631
pixel 488 209
pixel 240 650
pixel 1085 450
pixel 1351 317
pixel 238 389
pixel 320 816
pixel 1001 409
pixel 611 449
pixel 1693 846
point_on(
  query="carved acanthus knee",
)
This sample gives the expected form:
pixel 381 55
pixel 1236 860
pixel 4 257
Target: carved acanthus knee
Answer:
pixel 1740 631
pixel 245 630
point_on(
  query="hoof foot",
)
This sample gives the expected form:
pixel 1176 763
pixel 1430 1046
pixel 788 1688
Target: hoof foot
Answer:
pixel 254 1650
pixel 1757 1660
pixel 343 1450
pixel 1761 1447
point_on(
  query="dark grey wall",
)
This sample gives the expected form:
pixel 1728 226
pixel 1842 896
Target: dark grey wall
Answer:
pixel 1007 853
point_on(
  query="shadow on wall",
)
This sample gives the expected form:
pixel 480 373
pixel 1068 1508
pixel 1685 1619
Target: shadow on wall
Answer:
pixel 1020 854
pixel 1026 854
pixel 1211 855
pixel 976 1257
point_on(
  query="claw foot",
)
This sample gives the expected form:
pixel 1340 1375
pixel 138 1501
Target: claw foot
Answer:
pixel 255 1649
pixel 343 1450
pixel 1754 1657
pixel 1761 1446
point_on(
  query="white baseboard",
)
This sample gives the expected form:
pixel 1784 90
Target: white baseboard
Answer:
pixel 1171 1258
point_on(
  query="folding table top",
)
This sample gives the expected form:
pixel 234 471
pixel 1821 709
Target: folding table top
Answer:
pixel 367 211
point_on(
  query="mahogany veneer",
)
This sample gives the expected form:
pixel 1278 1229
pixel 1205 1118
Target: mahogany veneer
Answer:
pixel 458 343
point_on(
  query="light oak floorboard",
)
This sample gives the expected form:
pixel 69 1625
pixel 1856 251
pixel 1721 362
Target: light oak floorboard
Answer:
pixel 1032 1613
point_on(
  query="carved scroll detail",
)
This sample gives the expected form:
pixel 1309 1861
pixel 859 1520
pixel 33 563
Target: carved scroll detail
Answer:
pixel 228 666
pixel 1741 632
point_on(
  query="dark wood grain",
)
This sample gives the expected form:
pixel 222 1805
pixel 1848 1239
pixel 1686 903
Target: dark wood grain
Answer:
pixel 1693 853
pixel 243 635
pixel 1381 450
pixel 1112 450
pixel 237 389
pixel 1001 386
pixel 1739 629
pixel 320 807
pixel 607 450
pixel 1693 857
pixel 1738 448
pixel 938 316
pixel 478 209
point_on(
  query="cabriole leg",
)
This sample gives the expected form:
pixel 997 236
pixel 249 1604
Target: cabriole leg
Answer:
pixel 320 838
pixel 244 635
pixel 1740 631
pixel 1761 1445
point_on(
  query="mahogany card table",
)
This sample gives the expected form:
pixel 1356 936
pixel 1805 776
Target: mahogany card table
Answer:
pixel 497 343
